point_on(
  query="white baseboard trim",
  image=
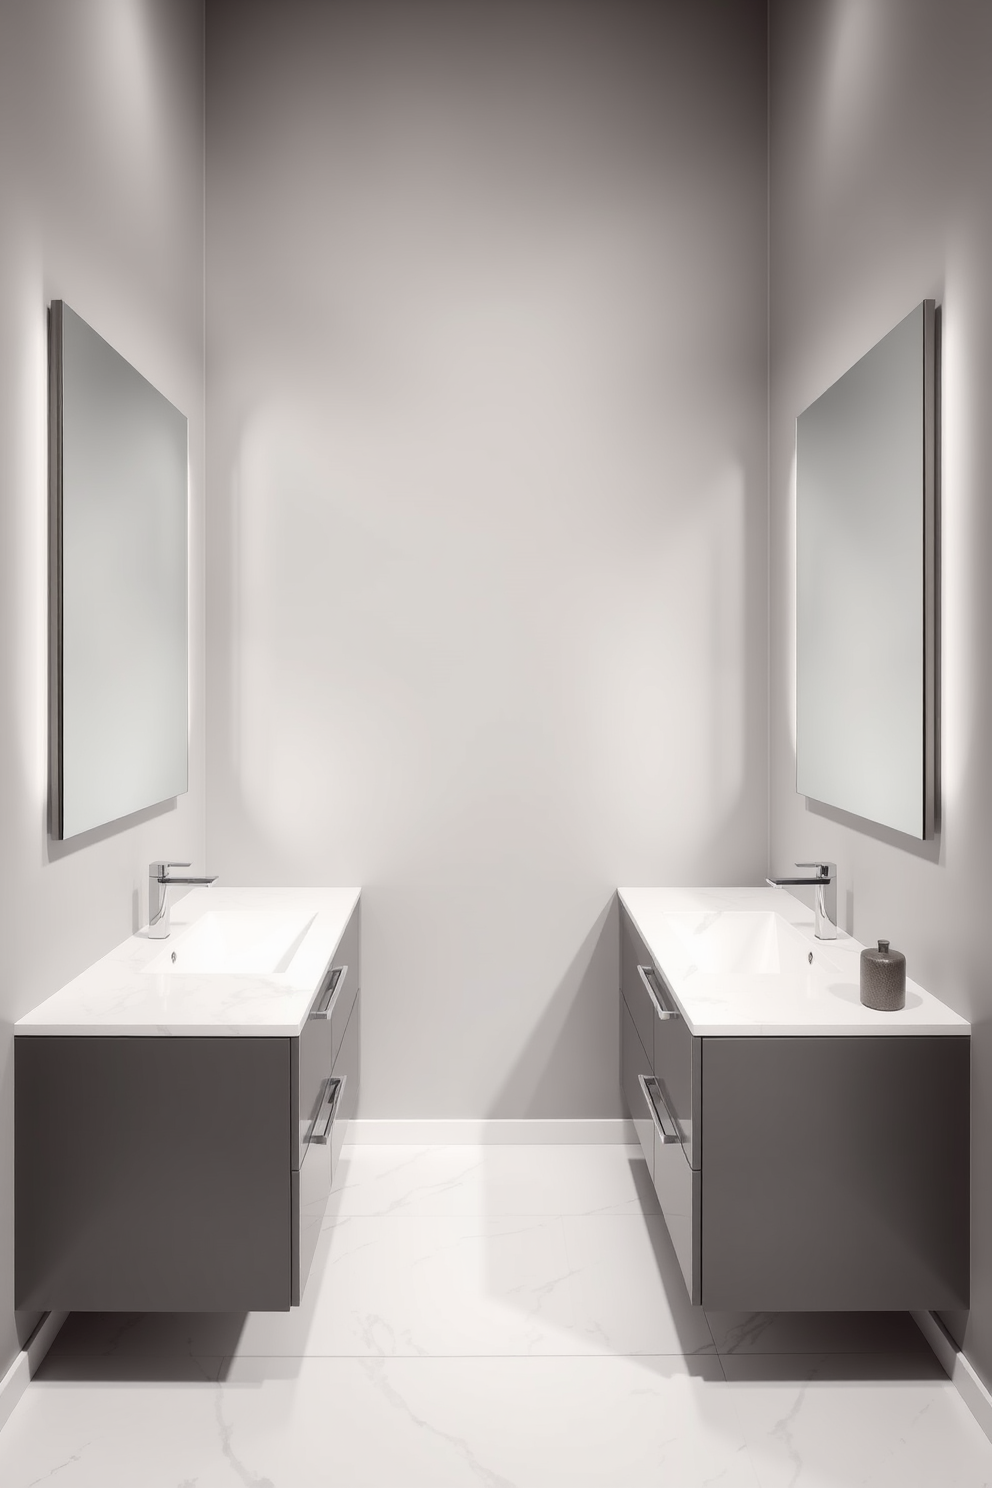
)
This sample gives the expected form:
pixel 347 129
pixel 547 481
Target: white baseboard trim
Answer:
pixel 476 1133
pixel 960 1370
pixel 27 1362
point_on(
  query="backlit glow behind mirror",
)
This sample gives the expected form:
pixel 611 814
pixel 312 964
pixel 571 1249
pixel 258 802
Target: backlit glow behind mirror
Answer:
pixel 119 634
pixel 865 585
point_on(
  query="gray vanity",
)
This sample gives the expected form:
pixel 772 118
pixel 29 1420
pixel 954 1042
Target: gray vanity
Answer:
pixel 808 1153
pixel 179 1109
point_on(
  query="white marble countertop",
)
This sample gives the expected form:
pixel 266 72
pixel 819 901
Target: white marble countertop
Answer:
pixel 119 995
pixel 820 998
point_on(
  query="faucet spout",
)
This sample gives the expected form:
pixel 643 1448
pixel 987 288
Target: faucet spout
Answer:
pixel 825 901
pixel 159 909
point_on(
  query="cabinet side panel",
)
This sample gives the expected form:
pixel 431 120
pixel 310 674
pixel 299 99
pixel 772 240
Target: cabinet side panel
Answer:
pixel 152 1174
pixel 835 1173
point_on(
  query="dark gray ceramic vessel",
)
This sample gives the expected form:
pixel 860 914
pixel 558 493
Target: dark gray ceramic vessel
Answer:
pixel 883 978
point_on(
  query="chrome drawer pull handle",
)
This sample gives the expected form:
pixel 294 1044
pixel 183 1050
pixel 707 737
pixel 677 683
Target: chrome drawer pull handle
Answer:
pixel 324 1008
pixel 645 973
pixel 333 1091
pixel 653 1096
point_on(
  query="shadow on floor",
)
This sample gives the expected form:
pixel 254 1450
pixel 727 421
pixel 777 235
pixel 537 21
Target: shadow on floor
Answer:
pixel 802 1347
pixel 154 1347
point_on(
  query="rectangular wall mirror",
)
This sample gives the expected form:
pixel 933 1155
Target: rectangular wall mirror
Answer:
pixel 119 497
pixel 865 581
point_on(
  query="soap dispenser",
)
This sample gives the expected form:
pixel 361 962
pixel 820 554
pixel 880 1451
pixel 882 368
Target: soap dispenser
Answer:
pixel 883 978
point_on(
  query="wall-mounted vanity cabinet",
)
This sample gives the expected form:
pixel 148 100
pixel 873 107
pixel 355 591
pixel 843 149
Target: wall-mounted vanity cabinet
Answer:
pixel 180 1107
pixel 807 1152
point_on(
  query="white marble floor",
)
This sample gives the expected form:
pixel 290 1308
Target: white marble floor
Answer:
pixel 504 1316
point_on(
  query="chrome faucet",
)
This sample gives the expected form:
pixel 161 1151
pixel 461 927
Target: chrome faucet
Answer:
pixel 159 879
pixel 825 906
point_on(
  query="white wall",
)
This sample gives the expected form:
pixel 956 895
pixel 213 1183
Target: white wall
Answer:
pixel 487 521
pixel 101 180
pixel 881 195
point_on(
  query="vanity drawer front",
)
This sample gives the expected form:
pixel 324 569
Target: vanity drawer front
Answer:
pixel 679 1190
pixel 314 1059
pixel 634 953
pixel 347 1066
pixel 346 956
pixel 635 1063
pixel 311 1191
pixel 677 1065
pixel 311 1185
pixel 677 1185
pixel 674 1052
pixel 324 1030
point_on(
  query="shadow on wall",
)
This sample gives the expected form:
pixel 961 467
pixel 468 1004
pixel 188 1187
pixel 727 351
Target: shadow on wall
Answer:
pixel 546 1066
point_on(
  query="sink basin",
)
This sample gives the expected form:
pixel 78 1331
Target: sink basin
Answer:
pixel 234 942
pixel 737 942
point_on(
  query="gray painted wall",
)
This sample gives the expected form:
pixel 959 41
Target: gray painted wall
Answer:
pixel 101 180
pixel 881 195
pixel 487 529
pixel 487 549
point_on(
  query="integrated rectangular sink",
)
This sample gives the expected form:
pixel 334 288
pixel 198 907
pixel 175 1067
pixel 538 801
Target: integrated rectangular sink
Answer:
pixel 737 943
pixel 234 942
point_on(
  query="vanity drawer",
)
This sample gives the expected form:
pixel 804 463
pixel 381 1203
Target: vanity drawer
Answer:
pixel 635 1063
pixel 678 1186
pixel 311 1184
pixel 677 1065
pixel 347 1066
pixel 674 1052
pixel 322 1034
pixel 346 957
pixel 328 1131
pixel 313 1061
pixel 679 1190
pixel 634 953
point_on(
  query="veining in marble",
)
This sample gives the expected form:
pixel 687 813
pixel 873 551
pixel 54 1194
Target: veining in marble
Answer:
pixel 818 998
pixel 506 1317
pixel 118 995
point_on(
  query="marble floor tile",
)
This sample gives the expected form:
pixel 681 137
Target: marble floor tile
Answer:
pixel 500 1316
pixel 630 1296
pixel 388 1423
pixel 861 1433
pixel 494 1180
pixel 433 1286
pixel 429 1285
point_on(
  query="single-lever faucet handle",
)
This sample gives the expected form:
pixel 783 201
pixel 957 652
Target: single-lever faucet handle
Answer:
pixel 159 880
pixel 825 903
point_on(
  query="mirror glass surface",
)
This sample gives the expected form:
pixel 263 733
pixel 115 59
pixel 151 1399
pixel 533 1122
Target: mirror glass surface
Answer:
pixel 864 527
pixel 119 582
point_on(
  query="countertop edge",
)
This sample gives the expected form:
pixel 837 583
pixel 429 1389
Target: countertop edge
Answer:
pixel 955 1027
pixel 29 1025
